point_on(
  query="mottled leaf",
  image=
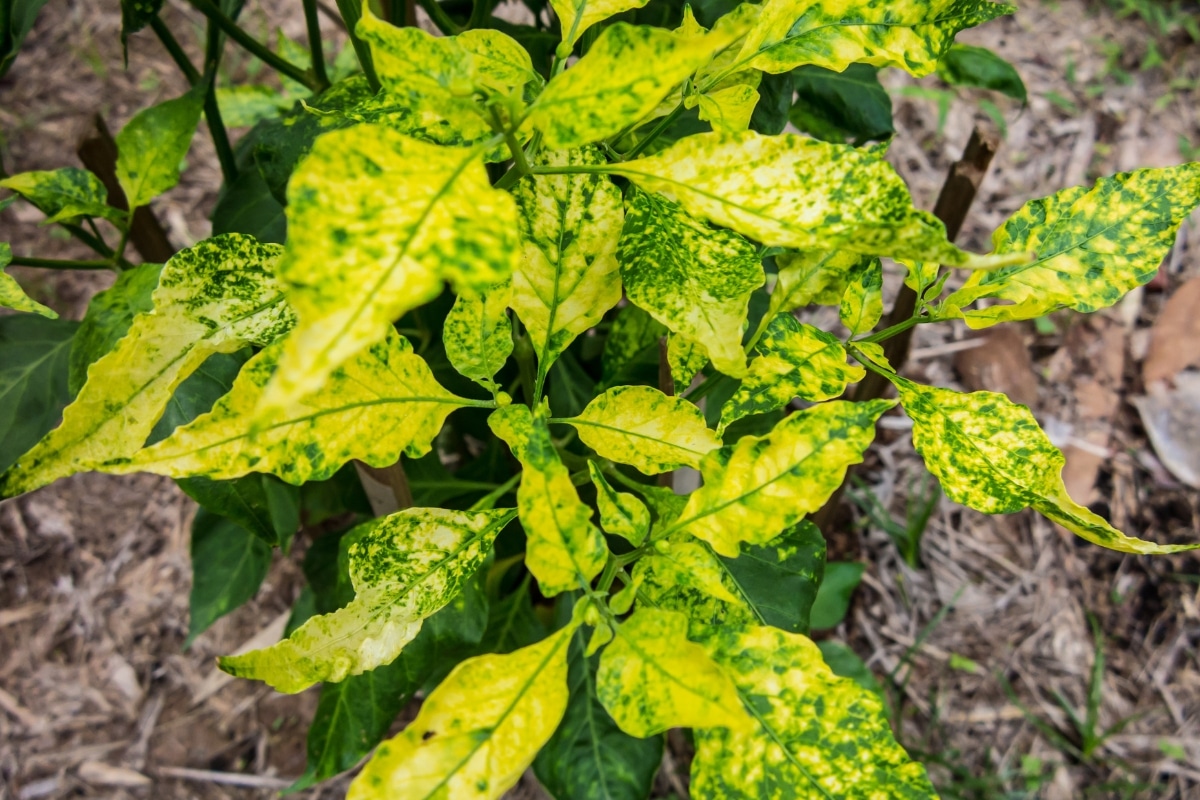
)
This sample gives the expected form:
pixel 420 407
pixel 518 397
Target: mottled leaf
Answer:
pixel 404 568
pixel 780 579
pixel 229 563
pixel 33 380
pixel 621 513
pixel 862 304
pixel 576 16
pixel 109 315
pixel 685 359
pixel 812 277
pixel 12 295
pixel 632 340
pixel 153 144
pixel 478 333
pixel 839 106
pixel 65 194
pixel 978 67
pixel 478 731
pixel 728 109
pixel 691 277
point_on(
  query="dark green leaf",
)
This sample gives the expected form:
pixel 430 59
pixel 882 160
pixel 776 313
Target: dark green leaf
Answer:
pixel 512 623
pixel 571 388
pixel 262 504
pixel 303 609
pixel 846 663
pixel 775 94
pixel 841 106
pixel 34 354
pixel 780 579
pixel 135 15
pixel 248 206
pixel 108 318
pixel 16 20
pixel 978 67
pixel 833 597
pixel 228 565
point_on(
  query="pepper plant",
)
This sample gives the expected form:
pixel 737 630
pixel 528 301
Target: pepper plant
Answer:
pixel 528 271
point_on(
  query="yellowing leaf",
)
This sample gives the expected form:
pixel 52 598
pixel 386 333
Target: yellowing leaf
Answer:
pixel 215 297
pixel 728 109
pixel 564 549
pixel 792 360
pixel 911 34
pixel 652 678
pixel 621 513
pixel 632 341
pixel 792 191
pixel 576 16
pixel 812 277
pixel 622 78
pixel 862 304
pixel 568 277
pixel 874 352
pixel 12 295
pixel 478 334
pixel 404 567
pixel 754 489
pixel 684 566
pixel 478 731
pixel 382 402
pixel 1092 245
pixel 376 222
pixel 990 454
pixel 691 277
pixel 64 194
pixel 642 427
pixel 815 735
pixel 685 358
pixel 152 145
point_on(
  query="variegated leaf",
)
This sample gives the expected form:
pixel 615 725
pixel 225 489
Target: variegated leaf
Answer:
pixel 64 195
pixel 564 549
pixel 754 489
pixel 862 304
pixel 478 333
pixel 153 144
pixel 642 427
pixel 990 454
pixel 576 16
pixel 812 277
pixel 621 513
pixel 405 567
pixel 1092 246
pixel 215 297
pixel 791 360
pixel 568 277
pixel 478 731
pixel 633 338
pixel 691 277
pixel 12 295
pixel 728 109
pixel 685 359
pixel 652 678
pixel 376 222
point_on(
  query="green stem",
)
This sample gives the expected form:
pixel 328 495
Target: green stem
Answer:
pixel 655 132
pixel 489 500
pixel 440 18
pixel 174 49
pixel 479 12
pixel 119 255
pixel 351 11
pixel 315 47
pixel 899 327
pixel 55 263
pixel 96 243
pixel 760 330
pixel 253 46
pixel 214 45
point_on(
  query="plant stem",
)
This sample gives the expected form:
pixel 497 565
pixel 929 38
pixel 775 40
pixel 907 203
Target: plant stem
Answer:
pixel 489 500
pixel 253 46
pixel 119 255
pixel 655 132
pixel 899 327
pixel 440 18
pixel 479 10
pixel 351 11
pixel 313 22
pixel 174 49
pixel 213 47
pixel 56 263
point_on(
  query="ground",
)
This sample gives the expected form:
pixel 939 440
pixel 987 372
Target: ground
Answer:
pixel 98 699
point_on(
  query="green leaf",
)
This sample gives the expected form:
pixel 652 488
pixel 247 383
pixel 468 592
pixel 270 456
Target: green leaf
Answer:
pixel 248 104
pixel 64 195
pixel 229 563
pixel 404 567
pixel 812 277
pixel 814 734
pixel 792 191
pixel 685 359
pixel 199 392
pixel 248 206
pixel 621 513
pixel 478 731
pixel 838 106
pixel 652 678
pixel 153 144
pixel 775 100
pixel 845 663
pixel 376 222
pixel 625 74
pixel 478 333
pixel 215 297
pixel 135 15
pixel 1092 246
pixel 780 579
pixel 833 597
pixel 109 316
pixel 16 20
pixel 990 454
pixel 576 16
pixel 12 295
pixel 791 360
pixel 754 489
pixel 978 67
pixel 691 277
pixel 381 402
pixel 564 549
pixel 512 623
pixel 642 427
pixel 911 35
pixel 259 504
pixel 862 304
pixel 568 277
pixel 632 341
pixel 589 757
pixel 33 380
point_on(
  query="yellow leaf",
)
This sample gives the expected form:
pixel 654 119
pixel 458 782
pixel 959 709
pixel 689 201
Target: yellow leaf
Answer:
pixel 12 295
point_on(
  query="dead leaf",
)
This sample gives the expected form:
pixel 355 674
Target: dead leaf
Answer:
pixel 1172 421
pixel 1001 365
pixel 101 774
pixel 1175 337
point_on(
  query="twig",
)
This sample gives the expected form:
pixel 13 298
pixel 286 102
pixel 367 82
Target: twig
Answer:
pixel 223 778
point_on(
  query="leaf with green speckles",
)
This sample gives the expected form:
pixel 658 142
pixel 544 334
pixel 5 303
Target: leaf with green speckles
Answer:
pixel 728 109
pixel 862 304
pixel 691 277
pixel 814 735
pixel 376 223
pixel 797 192
pixel 652 678
pixel 576 16
pixel 990 454
pixel 478 333
pixel 812 277
pixel 382 402
pixel 478 731
pixel 791 360
pixel 563 549
pixel 642 427
pixel 12 295
pixel 64 195
pixel 625 74
pixel 568 276
pixel 685 359
pixel 621 513
pixel 215 297
pixel 874 352
pixel 108 317
pixel 1092 246
pixel 153 144
pixel 632 341
pixel 756 488
pixel 910 35
pixel 405 567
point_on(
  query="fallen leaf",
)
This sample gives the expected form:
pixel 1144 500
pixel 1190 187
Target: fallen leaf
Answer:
pixel 1172 421
pixel 100 774
pixel 1001 365
pixel 1175 337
